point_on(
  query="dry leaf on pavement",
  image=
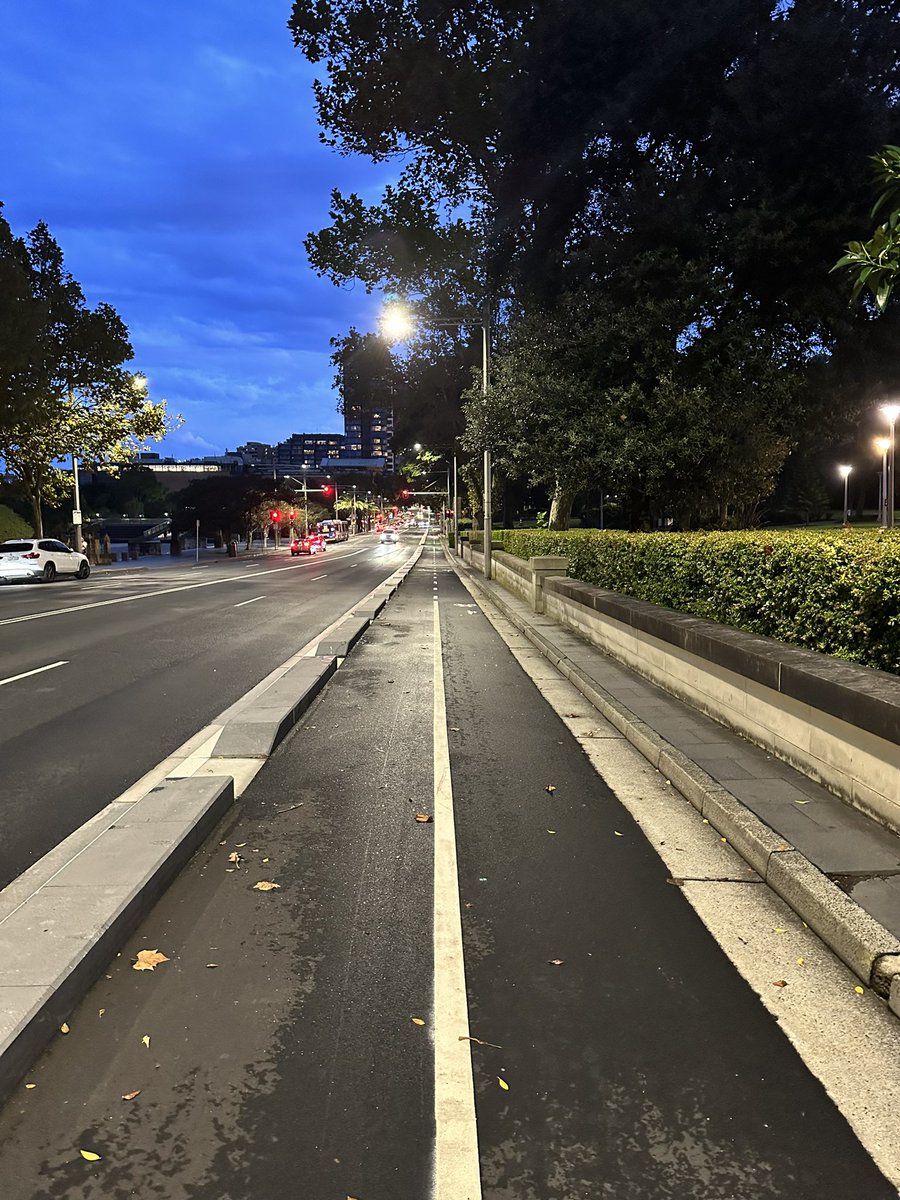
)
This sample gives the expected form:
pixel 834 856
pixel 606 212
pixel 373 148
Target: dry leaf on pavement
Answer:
pixel 503 1084
pixel 265 886
pixel 29 1086
pixel 423 818
pixel 551 788
pixel 146 1040
pixel 417 1020
pixel 779 983
pixel 859 991
pixel 64 1028
pixel 235 858
pixel 148 960
pixel 616 832
pixel 89 1155
pixel 555 962
pixel 132 1095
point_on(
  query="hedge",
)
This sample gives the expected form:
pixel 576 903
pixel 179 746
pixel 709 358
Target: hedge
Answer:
pixel 836 591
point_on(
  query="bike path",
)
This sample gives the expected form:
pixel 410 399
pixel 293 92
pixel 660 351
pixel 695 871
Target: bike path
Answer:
pixel 283 1058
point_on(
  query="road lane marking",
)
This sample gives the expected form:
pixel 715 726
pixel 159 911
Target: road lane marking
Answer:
pixel 37 671
pixel 456 1167
pixel 253 601
pixel 189 587
pixel 315 577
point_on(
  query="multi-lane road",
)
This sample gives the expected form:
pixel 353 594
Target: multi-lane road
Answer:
pixel 100 680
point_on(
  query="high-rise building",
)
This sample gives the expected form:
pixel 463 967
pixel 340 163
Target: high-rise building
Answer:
pixel 368 433
pixel 310 450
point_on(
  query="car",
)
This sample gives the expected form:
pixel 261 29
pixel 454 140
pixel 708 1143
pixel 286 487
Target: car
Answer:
pixel 389 535
pixel 40 558
pixel 307 545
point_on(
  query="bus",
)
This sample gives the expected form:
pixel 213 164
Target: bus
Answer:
pixel 334 531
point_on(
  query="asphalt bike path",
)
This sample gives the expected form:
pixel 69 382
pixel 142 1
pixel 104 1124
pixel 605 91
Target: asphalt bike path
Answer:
pixel 136 679
pixel 290 1047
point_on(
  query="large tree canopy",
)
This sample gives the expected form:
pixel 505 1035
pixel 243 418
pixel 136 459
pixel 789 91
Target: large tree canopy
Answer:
pixel 685 170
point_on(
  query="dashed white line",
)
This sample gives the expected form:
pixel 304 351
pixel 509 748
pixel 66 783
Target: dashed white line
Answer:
pixel 315 577
pixel 37 671
pixel 253 601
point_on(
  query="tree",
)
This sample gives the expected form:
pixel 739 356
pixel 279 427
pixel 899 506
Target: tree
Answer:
pixel 74 395
pixel 877 261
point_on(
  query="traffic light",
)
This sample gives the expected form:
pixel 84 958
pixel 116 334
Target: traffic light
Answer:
pixel 326 490
pixel 405 493
pixel 276 516
pixel 293 515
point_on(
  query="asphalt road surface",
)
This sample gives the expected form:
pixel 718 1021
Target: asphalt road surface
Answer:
pixel 295 1050
pixel 147 660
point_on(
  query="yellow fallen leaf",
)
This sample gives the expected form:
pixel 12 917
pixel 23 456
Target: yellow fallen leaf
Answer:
pixel 212 966
pixel 29 1086
pixel 417 1020
pixel 859 991
pixel 146 1040
pixel 801 962
pixel 616 832
pixel 503 1084
pixel 101 1012
pixel 265 886
pixel 423 818
pixel 240 845
pixel 234 857
pixel 89 1155
pixel 551 788
pixel 64 1028
pixel 148 960
pixel 264 860
pixel 801 802
pixel 551 831
pixel 131 1095
pixel 555 962
pixel 778 929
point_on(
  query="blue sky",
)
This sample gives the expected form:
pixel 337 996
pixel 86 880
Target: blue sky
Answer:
pixel 173 151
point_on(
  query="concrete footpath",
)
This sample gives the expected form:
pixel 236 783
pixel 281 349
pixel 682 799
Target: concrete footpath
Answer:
pixel 285 1048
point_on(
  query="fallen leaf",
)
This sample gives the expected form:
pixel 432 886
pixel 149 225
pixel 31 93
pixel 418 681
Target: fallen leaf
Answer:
pixel 778 929
pixel 417 1020
pixel 265 886
pixel 479 1042
pixel 551 788
pixel 234 857
pixel 212 966
pixel 503 1084
pixel 801 802
pixel 240 845
pixel 148 960
pixel 423 818
pixel 29 1086
pixel 801 962
pixel 89 1155
pixel 454 729
pixel 556 962
pixel 64 1028
pixel 132 1095
pixel 263 860
pixel 616 832
pixel 551 831
pixel 146 1040
pixel 779 983
pixel 859 991
pixel 101 1012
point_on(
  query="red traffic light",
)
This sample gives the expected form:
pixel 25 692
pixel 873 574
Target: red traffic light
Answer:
pixel 276 517
pixel 293 514
pixel 326 490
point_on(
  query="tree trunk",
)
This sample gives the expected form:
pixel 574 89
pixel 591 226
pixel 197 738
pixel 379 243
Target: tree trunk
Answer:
pixel 34 495
pixel 561 506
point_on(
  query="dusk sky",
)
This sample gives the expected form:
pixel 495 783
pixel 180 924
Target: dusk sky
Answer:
pixel 173 151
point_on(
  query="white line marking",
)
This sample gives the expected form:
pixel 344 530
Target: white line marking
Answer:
pixel 315 577
pixel 253 601
pixel 37 671
pixel 456 1166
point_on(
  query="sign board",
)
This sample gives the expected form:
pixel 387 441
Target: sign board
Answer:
pixel 76 516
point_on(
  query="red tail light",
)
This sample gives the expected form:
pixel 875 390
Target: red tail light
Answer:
pixel 31 554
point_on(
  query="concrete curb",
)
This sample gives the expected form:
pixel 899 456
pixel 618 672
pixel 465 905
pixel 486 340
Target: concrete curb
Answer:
pixel 54 946
pixel 861 942
pixel 64 919
pixel 344 637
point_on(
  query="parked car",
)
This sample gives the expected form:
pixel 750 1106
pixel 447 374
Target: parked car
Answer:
pixel 389 535
pixel 40 558
pixel 314 544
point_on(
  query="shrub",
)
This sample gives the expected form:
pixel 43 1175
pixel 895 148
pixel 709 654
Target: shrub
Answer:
pixel 836 591
pixel 12 525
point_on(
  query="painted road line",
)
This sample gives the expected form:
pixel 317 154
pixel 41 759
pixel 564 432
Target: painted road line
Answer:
pixel 37 671
pixel 189 587
pixel 457 1174
pixel 315 577
pixel 253 601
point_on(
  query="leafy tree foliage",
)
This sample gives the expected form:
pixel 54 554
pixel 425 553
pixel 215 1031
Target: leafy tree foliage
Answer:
pixel 877 261
pixel 69 389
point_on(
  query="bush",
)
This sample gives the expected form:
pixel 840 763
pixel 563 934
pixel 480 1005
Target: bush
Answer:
pixel 836 591
pixel 12 525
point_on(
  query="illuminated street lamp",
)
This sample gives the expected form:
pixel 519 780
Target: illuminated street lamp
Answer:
pixel 891 412
pixel 397 324
pixel 844 473
pixel 882 445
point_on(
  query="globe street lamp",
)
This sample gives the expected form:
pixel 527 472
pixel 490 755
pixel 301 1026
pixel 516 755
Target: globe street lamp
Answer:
pixel 844 473
pixel 891 412
pixel 882 445
pixel 397 324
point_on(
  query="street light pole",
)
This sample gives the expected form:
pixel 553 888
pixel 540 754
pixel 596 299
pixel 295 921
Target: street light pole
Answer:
pixel 305 505
pixel 845 475
pixel 488 481
pixel 883 445
pixel 76 514
pixel 892 412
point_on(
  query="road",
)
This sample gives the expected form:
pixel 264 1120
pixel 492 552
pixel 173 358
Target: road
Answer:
pixel 301 1040
pixel 147 660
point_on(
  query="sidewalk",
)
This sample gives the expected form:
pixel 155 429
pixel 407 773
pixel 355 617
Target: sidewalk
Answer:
pixel 285 1051
pixel 851 849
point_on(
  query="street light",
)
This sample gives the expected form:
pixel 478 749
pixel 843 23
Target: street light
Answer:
pixel 397 324
pixel 844 473
pixel 882 445
pixel 891 412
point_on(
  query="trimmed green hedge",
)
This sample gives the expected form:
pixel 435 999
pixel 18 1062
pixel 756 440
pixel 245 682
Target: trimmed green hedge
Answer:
pixel 836 591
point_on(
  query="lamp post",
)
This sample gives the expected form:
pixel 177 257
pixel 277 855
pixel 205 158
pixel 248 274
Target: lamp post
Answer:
pixel 397 324
pixel 844 473
pixel 882 445
pixel 353 529
pixel 891 412
pixel 76 512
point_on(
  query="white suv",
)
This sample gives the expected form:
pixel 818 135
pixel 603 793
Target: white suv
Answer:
pixel 40 558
